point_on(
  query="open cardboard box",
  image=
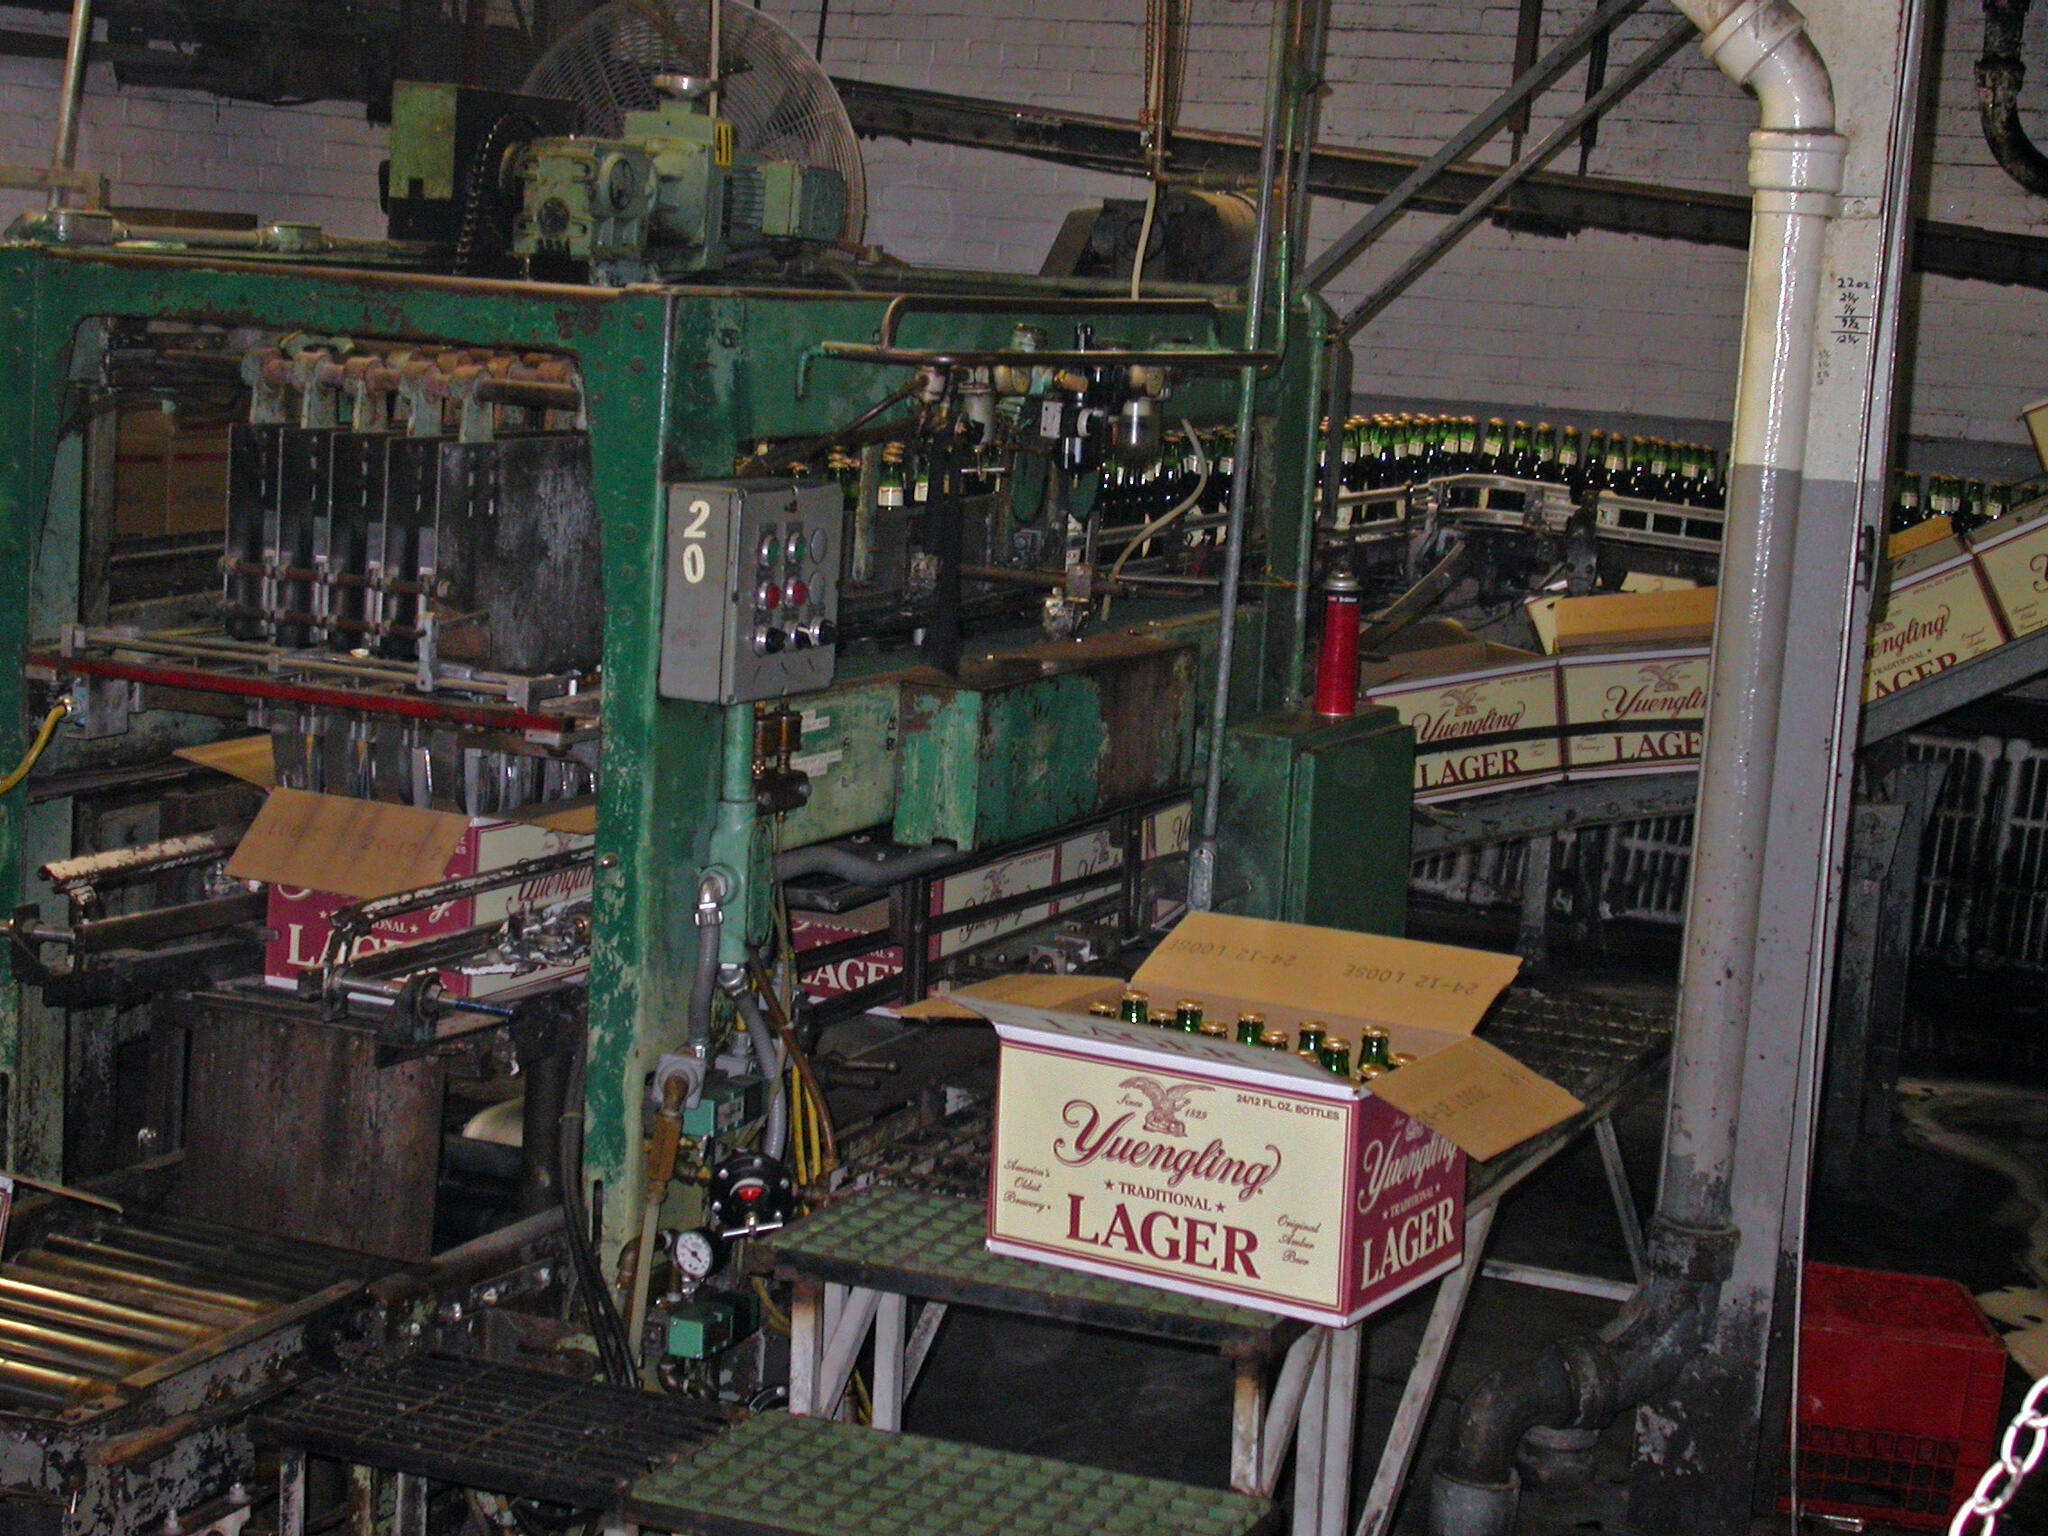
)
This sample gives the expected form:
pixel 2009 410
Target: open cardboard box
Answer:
pixel 319 853
pixel 1241 1174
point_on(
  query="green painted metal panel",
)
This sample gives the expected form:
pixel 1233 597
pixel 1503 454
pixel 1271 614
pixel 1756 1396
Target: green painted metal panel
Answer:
pixel 849 751
pixel 1315 820
pixel 1026 743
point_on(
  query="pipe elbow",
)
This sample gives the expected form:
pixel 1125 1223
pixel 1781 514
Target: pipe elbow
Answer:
pixel 1762 45
pixel 2000 74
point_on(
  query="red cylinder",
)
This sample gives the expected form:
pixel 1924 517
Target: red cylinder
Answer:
pixel 1337 659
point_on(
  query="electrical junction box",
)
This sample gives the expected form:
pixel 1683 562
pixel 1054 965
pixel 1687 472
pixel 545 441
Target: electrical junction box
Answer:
pixel 726 1106
pixel 750 604
pixel 705 1327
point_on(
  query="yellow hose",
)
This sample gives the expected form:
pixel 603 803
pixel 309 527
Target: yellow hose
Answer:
pixel 48 729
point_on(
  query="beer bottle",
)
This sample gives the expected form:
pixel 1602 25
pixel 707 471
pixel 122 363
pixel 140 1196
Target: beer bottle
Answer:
pixel 1596 461
pixel 1905 499
pixel 1136 1008
pixel 1969 517
pixel 1187 1016
pixel 1614 472
pixel 1336 1056
pixel 921 484
pixel 1418 449
pixel 1521 454
pixel 1161 1019
pixel 1571 462
pixel 1251 1028
pixel 1310 1037
pixel 1997 500
pixel 1368 1073
pixel 889 483
pixel 1372 1046
pixel 1468 445
pixel 1544 448
pixel 1660 471
pixel 1103 1010
pixel 1399 1059
pixel 1274 1039
pixel 1493 449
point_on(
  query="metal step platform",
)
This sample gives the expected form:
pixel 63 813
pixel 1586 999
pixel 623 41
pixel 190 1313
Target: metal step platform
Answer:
pixel 930 1246
pixel 782 1476
pixel 522 1433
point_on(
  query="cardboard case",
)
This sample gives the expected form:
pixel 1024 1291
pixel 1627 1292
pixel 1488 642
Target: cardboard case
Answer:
pixel 1241 1174
pixel 319 853
pixel 1485 716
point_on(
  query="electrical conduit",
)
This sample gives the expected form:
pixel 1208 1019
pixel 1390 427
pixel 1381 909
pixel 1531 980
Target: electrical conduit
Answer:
pixel 1795 171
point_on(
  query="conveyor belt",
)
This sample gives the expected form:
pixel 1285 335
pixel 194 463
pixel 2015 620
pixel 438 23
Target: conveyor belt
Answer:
pixel 527 1434
pixel 783 1476
pixel 100 1310
pixel 932 1246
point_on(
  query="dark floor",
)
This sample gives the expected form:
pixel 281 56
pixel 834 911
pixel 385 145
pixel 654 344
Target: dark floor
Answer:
pixel 1117 1403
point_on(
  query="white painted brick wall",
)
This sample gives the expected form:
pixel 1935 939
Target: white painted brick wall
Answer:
pixel 1598 323
pixel 182 149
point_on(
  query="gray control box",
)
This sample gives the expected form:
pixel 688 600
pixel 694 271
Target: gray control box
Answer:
pixel 750 603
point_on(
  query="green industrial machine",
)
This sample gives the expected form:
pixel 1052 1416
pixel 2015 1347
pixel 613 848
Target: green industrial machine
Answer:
pixel 663 385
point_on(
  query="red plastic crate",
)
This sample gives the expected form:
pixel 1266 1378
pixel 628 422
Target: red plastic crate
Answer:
pixel 1900 1380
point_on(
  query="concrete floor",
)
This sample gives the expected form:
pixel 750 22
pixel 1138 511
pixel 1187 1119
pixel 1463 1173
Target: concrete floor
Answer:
pixel 1114 1402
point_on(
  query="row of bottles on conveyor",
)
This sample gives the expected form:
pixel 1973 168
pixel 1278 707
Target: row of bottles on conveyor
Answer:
pixel 1388 452
pixel 1967 504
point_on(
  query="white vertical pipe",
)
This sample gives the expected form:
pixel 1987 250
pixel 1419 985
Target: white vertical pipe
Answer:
pixel 1795 170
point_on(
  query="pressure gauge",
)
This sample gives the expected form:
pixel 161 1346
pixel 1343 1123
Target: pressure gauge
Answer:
pixel 697 1253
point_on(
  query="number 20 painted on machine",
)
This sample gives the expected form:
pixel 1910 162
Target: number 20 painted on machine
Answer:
pixel 693 553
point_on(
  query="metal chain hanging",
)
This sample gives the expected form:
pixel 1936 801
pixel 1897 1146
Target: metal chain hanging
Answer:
pixel 1979 1513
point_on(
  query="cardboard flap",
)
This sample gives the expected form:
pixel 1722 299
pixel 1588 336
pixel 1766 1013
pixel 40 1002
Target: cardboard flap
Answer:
pixel 1322 972
pixel 361 849
pixel 248 758
pixel 1029 989
pixel 1478 1097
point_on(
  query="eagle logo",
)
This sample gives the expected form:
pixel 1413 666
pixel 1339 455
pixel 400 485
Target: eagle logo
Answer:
pixel 1167 1103
pixel 1462 697
pixel 1661 676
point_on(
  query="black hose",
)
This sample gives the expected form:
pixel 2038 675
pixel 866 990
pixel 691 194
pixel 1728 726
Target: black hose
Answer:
pixel 2000 74
pixel 857 868
pixel 614 1350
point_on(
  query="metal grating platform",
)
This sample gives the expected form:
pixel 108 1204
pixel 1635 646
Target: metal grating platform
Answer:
pixel 783 1476
pixel 931 1246
pixel 527 1434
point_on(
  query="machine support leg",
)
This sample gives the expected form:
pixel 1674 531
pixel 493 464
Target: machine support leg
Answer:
pixel 1309 1439
pixel 1624 1197
pixel 1340 1416
pixel 806 1345
pixel 411 1516
pixel 1532 942
pixel 1247 1422
pixel 891 1313
pixel 291 1494
pixel 923 1335
pixel 842 1348
pixel 1287 1406
pixel 1377 1518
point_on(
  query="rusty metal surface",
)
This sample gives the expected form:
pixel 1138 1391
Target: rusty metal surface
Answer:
pixel 295 1129
pixel 93 1315
pixel 1030 741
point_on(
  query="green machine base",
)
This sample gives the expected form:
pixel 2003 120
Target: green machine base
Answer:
pixel 1314 820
